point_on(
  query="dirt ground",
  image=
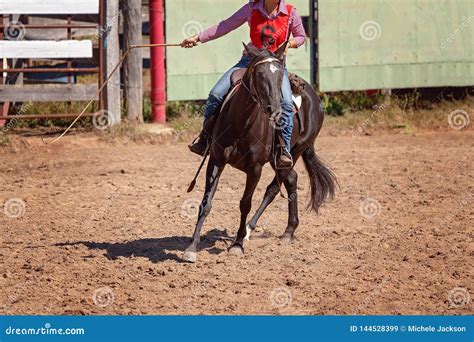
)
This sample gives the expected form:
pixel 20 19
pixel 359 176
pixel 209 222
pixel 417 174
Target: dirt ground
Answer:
pixel 103 228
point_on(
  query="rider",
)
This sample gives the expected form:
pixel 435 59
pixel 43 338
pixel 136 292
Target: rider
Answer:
pixel 271 23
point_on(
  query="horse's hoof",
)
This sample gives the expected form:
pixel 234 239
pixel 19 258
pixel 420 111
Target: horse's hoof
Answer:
pixel 190 256
pixel 286 238
pixel 236 250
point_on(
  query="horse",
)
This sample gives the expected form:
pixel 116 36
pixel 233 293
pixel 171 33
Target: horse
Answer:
pixel 244 136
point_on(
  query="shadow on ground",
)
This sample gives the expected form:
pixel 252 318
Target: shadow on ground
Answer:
pixel 156 250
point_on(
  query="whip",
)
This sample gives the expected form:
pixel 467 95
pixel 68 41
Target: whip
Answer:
pixel 124 56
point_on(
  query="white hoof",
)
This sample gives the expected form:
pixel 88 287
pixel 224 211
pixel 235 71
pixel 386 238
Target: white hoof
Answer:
pixel 236 250
pixel 190 256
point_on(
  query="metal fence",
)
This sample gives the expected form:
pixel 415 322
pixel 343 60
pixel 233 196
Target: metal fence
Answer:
pixel 358 44
pixel 376 44
pixel 192 73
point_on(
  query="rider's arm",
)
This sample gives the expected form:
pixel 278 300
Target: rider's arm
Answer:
pixel 297 30
pixel 233 22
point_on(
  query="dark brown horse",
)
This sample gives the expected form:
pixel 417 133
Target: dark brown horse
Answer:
pixel 244 137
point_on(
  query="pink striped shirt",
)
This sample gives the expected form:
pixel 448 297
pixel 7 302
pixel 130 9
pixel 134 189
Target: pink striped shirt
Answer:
pixel 243 15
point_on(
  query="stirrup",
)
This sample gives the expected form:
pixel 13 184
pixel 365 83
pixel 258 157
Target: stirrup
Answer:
pixel 199 146
pixel 279 165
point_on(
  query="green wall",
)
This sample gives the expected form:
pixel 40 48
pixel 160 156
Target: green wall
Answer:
pixel 409 43
pixel 191 73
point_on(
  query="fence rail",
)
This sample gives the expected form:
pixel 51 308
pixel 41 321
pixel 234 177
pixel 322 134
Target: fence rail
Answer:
pixel 23 58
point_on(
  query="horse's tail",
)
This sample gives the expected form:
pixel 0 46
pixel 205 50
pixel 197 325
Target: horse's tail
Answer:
pixel 322 180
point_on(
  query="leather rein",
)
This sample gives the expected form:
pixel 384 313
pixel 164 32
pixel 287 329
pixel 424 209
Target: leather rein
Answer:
pixel 251 88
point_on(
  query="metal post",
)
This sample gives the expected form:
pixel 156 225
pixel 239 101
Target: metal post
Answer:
pixel 314 47
pixel 158 77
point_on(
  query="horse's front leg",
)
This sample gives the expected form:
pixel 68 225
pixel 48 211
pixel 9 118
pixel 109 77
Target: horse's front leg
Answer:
pixel 213 174
pixel 253 176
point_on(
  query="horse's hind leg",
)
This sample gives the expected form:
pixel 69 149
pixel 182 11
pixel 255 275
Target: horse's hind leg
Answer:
pixel 245 205
pixel 291 187
pixel 270 194
pixel 272 190
pixel 213 174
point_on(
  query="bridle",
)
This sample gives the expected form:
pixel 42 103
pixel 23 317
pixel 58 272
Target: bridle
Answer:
pixel 256 97
pixel 251 87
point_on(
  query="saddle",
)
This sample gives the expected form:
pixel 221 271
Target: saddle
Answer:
pixel 297 87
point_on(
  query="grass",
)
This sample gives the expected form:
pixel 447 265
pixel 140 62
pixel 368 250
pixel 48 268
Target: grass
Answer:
pixel 394 114
pixel 4 139
pixel 356 112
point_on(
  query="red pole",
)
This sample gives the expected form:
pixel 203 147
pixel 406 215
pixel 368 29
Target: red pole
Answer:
pixel 158 76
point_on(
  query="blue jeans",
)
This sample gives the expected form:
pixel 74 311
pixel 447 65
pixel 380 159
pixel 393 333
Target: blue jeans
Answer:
pixel 222 87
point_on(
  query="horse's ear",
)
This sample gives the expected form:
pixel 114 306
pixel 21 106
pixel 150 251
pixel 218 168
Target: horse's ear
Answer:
pixel 281 50
pixel 251 50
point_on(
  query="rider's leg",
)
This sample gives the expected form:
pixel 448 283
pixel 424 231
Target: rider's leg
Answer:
pixel 216 97
pixel 287 122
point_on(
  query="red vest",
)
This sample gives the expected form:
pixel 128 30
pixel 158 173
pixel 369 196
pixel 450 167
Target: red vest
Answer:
pixel 269 33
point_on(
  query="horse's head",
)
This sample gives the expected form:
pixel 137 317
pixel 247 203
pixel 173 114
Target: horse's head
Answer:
pixel 264 77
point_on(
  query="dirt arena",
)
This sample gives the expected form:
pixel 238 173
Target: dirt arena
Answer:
pixel 104 227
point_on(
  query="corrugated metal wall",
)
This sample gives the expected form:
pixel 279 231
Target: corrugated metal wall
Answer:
pixel 363 44
pixel 374 44
pixel 192 73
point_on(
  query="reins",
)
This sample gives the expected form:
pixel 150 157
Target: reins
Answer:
pixel 255 97
pixel 257 100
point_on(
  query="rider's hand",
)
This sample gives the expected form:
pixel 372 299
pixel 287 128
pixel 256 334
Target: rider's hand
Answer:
pixel 291 45
pixel 190 42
